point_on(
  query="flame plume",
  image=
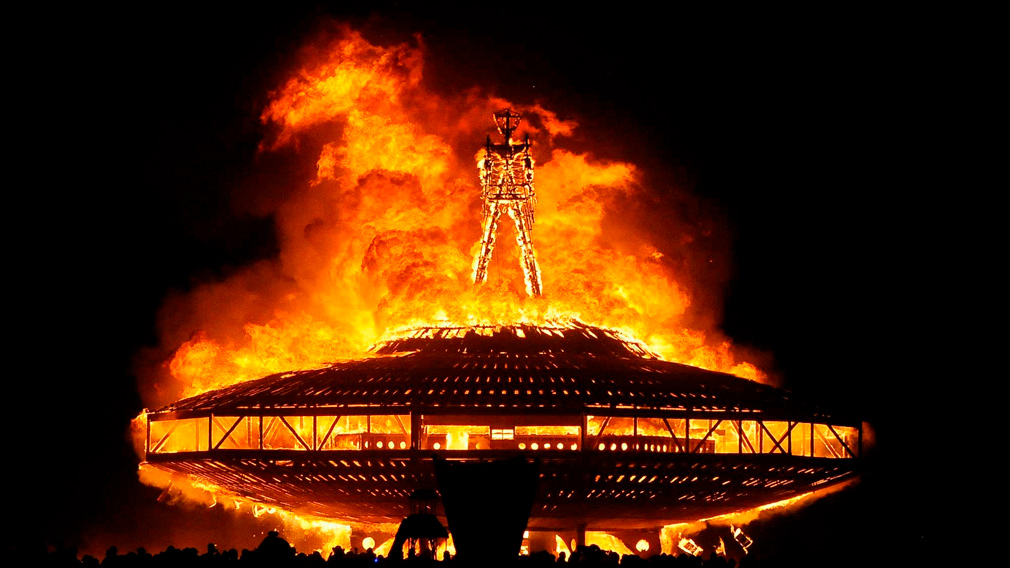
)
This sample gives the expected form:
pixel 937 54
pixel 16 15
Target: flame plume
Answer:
pixel 383 233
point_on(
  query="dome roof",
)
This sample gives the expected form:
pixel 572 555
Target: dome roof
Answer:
pixel 521 367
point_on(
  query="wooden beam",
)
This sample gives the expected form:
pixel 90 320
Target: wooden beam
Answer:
pixel 675 439
pixel 400 422
pixel 827 445
pixel 744 438
pixel 844 445
pixel 603 428
pixel 415 429
pixel 772 436
pixel 228 433
pixel 788 449
pixel 707 434
pixel 295 433
pixel 266 430
pixel 585 426
pixel 329 431
pixel 175 424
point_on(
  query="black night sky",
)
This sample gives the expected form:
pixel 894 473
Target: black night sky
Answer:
pixel 791 128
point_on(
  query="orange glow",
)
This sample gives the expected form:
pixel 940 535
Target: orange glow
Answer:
pixel 560 546
pixel 672 536
pixel 383 233
pixel 384 548
pixel 304 532
pixel 607 541
pixel 744 517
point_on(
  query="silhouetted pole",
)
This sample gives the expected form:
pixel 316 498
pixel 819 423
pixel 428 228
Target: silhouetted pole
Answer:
pixel 487 505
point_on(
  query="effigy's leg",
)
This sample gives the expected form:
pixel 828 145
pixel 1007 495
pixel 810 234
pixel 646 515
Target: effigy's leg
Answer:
pixel 524 239
pixel 486 245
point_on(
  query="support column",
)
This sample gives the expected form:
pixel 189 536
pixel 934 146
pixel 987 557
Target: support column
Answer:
pixel 415 429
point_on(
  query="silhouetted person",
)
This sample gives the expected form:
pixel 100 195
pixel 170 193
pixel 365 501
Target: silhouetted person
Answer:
pixel 274 550
pixel 111 557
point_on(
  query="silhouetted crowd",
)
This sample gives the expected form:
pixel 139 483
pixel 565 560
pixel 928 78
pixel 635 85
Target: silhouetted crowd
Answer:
pixel 274 551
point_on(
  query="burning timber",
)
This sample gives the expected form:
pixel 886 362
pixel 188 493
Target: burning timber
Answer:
pixel 624 440
pixel 506 179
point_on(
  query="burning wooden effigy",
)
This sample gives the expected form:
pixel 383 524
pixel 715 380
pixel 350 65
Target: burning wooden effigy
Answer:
pixel 627 441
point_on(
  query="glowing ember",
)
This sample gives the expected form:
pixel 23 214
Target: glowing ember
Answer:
pixel 690 547
pixel 742 539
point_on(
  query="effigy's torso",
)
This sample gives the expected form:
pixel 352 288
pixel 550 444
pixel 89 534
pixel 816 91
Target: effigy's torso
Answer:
pixel 507 174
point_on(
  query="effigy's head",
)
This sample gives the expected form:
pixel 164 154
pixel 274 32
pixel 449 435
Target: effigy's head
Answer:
pixel 507 122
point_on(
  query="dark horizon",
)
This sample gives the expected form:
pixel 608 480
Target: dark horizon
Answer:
pixel 782 131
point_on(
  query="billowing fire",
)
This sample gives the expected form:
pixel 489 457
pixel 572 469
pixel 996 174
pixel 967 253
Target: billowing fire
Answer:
pixel 382 236
pixel 384 231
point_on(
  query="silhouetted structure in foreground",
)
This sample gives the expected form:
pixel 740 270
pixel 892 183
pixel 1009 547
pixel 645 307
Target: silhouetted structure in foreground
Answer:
pixel 421 530
pixel 471 489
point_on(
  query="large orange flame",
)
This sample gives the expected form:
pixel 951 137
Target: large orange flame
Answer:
pixel 383 232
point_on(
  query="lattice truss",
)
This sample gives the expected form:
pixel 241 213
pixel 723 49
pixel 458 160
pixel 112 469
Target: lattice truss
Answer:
pixel 553 434
pixel 506 174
